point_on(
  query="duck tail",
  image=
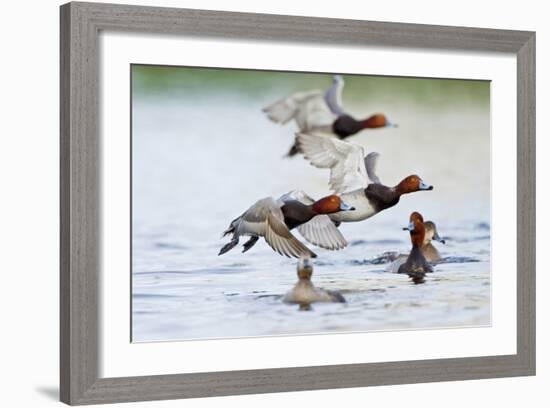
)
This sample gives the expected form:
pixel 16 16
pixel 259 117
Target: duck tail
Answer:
pixel 232 227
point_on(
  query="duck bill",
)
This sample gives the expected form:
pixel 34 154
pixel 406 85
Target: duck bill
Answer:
pixel 424 186
pixel 391 124
pixel 409 227
pixel 346 207
pixel 437 238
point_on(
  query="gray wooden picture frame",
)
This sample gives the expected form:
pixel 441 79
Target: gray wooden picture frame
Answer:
pixel 81 24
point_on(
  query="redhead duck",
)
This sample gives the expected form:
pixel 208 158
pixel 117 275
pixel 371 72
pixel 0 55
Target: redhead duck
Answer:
pixel 317 110
pixel 428 250
pixel 304 292
pixel 273 220
pixel 353 177
pixel 416 265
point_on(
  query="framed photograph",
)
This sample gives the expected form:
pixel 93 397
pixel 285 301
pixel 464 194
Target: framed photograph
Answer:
pixel 262 203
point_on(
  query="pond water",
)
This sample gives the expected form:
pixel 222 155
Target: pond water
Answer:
pixel 200 160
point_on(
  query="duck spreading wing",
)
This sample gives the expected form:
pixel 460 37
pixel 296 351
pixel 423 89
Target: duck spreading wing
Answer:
pixel 266 219
pixel 346 161
pixel 333 96
pixel 320 230
pixel 310 109
pixel 287 108
pixel 371 162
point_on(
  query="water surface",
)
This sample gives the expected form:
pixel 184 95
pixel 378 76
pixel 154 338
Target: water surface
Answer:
pixel 203 152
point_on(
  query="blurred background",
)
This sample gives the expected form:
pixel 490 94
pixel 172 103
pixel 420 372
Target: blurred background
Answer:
pixel 203 152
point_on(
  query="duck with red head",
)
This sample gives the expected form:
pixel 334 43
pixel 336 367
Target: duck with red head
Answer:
pixel 322 111
pixel 429 251
pixel 416 265
pixel 411 184
pixel 273 219
pixel 353 177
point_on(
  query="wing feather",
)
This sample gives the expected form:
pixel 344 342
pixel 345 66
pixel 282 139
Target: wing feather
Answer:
pixel 333 96
pixel 278 236
pixel 345 160
pixel 322 232
pixel 297 195
pixel 287 108
pixel 370 165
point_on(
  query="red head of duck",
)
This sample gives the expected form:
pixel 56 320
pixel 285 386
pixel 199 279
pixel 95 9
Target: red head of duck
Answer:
pixel 416 229
pixel 411 184
pixel 378 120
pixel 330 205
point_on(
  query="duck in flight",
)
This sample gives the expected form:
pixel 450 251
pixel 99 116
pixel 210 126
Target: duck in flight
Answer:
pixel 273 219
pixel 353 177
pixel 322 111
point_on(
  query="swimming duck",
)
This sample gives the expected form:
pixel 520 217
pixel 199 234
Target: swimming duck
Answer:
pixel 304 292
pixel 322 111
pixel 428 250
pixel 274 218
pixel 416 265
pixel 353 176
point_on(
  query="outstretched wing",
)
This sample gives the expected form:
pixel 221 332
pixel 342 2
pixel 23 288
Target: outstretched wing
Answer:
pixel 322 232
pixel 278 236
pixel 345 160
pixel 333 95
pixel 266 219
pixel 370 165
pixel 297 195
pixel 287 108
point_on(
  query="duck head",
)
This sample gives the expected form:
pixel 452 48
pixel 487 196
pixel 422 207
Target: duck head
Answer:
pixel 411 184
pixel 377 120
pixel 304 269
pixel 416 229
pixel 330 205
pixel 431 233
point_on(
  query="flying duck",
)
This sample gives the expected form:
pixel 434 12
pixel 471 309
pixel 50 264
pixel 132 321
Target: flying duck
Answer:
pixel 273 219
pixel 353 176
pixel 321 111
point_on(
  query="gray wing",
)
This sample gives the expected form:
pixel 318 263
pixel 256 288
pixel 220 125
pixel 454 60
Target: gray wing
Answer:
pixel 288 108
pixel 333 95
pixel 265 219
pixel 371 161
pixel 322 232
pixel 278 236
pixel 297 195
